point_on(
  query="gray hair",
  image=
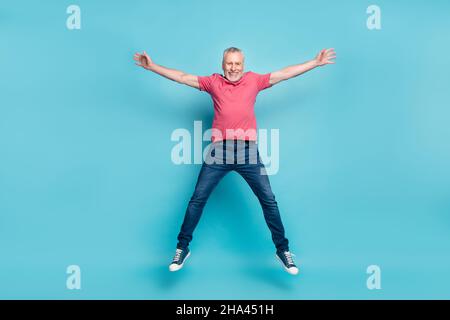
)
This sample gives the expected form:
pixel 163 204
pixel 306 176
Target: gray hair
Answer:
pixel 232 49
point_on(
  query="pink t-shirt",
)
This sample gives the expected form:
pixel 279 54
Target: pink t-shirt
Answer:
pixel 234 102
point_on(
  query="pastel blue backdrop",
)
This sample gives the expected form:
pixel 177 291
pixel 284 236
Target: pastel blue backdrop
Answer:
pixel 86 176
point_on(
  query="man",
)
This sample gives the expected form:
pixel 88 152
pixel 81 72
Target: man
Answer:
pixel 234 137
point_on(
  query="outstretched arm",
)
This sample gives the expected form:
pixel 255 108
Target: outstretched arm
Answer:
pixel 144 61
pixel 323 57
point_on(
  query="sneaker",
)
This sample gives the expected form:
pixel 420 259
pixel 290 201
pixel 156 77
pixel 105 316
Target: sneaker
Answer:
pixel 179 259
pixel 287 261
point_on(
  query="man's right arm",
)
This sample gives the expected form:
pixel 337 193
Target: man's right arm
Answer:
pixel 144 61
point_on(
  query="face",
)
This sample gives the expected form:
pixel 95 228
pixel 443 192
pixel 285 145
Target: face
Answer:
pixel 233 66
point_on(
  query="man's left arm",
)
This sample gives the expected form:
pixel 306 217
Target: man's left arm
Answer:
pixel 324 57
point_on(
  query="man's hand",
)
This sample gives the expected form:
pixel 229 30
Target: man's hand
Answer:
pixel 143 60
pixel 325 57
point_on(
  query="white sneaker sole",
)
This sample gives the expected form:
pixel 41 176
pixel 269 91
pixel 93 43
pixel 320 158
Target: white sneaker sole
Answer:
pixel 292 270
pixel 175 267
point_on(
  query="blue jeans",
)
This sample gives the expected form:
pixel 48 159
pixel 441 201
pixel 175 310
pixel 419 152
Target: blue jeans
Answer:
pixel 242 157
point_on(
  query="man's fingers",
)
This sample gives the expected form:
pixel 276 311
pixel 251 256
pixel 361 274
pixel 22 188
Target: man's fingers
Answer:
pixel 142 59
pixel 138 57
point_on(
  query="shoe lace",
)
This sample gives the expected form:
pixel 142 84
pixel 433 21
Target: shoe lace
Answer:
pixel 177 255
pixel 289 256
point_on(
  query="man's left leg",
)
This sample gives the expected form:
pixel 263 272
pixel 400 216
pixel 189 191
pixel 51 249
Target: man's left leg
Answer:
pixel 255 176
pixel 260 185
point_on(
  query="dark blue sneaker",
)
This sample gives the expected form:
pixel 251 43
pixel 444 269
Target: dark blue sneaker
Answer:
pixel 287 261
pixel 179 259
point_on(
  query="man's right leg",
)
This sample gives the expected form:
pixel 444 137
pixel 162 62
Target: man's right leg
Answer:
pixel 208 178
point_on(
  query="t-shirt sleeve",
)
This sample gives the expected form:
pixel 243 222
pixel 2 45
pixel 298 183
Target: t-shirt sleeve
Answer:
pixel 263 81
pixel 206 83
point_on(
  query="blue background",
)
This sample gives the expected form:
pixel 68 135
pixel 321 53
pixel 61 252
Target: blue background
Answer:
pixel 86 176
